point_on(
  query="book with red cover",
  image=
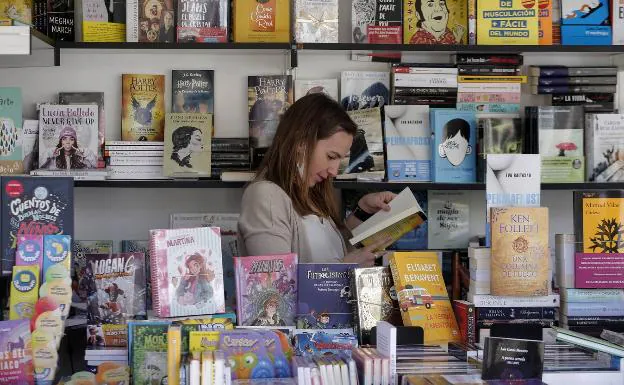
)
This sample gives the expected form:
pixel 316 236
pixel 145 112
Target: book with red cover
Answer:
pixel 466 320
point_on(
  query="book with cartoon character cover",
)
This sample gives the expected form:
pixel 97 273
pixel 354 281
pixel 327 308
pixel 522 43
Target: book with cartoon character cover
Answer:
pixel 80 282
pixel 34 206
pixel 266 289
pixel 447 25
pixel 147 351
pixel 143 107
pixel 16 365
pixel 377 22
pixel 187 272
pixel 324 294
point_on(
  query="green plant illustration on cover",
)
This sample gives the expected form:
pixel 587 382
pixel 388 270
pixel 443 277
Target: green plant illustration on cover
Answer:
pixel 608 237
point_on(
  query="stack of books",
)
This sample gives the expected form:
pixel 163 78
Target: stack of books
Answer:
pixel 134 159
pixel 590 311
pixel 229 154
pixel 434 85
pixel 96 356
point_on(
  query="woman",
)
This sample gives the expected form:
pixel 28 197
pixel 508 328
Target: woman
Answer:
pixel 291 205
pixel 186 141
pixel 68 155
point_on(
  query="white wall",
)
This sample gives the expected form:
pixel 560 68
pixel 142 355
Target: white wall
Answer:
pixel 128 213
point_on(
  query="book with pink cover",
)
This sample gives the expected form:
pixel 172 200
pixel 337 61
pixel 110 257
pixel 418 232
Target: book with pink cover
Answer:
pixel 186 271
pixel 266 290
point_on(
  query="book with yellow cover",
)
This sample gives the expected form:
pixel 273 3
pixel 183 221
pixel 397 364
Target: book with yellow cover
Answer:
pixel 599 220
pixel 15 12
pixel 423 297
pixel 143 107
pixel 449 25
pixel 261 21
pixel 98 21
pixel 509 22
pixel 545 22
pixel 203 341
pixel 520 253
pixel 174 352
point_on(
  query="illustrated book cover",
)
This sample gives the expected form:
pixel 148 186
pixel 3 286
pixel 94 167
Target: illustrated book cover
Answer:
pixel 16 359
pixel 454 141
pixel 450 26
pixel 203 21
pixel 187 145
pixel 316 21
pixel 598 218
pixel 11 157
pixel 141 246
pixel 82 285
pixel 142 107
pixel 147 351
pixel 192 91
pixel 366 154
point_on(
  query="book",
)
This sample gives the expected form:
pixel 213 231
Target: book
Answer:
pixel 405 214
pixel 422 296
pixel 520 253
pixel 261 21
pixel 575 12
pixel 563 71
pixel 588 342
pixel 11 157
pixel 512 359
pixel 417 238
pixel 420 27
pixel 603 139
pixel 324 295
pixel 97 21
pixel 16 349
pixel 598 218
pixel 187 145
pixel 60 20
pixel 192 91
pixel 316 21
pixel 367 150
pixel 454 141
pixel 30 145
pixel 16 13
pixel 82 285
pixel 449 219
pixel 407 136
pixel 68 136
pixel 147 350
pixel 327 86
pixel 34 206
pixel 377 22
pixel 204 21
pixel 599 271
pixel 512 23
pixel 142 246
pixel 150 21
pixel 497 134
pixel 143 106
pixel 187 272
pixel 364 89
pixel 466 321
pixel 266 289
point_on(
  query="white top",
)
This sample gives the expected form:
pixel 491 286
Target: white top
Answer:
pixel 325 241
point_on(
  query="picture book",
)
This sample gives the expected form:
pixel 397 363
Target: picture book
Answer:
pixel 407 135
pixel 187 272
pixel 376 22
pixel 143 107
pixel 599 216
pixel 266 289
pixel 16 365
pixel 415 239
pixel 327 86
pixel 367 150
pixel 316 21
pixel 261 21
pixel 324 295
pixel 449 26
pixel 204 21
pixel 268 98
pixel 30 145
pixel 228 225
pixel 513 22
pixel 23 292
pixel 510 359
pixel 119 280
pixel 520 253
pixel 454 140
pixel 11 158
pixel 147 349
pixel 422 295
pixel 34 206
pixel 603 140
pixel 98 21
pixel 449 219
pixel 364 89
pixel 82 286
pixel 68 136
pixel 187 145
pixel 142 246
pixel 405 214
pixel 96 98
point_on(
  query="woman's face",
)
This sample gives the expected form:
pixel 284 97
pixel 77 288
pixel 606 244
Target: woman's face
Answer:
pixel 197 141
pixel 168 20
pixel 326 157
pixel 67 142
pixel 435 14
pixel 194 267
pixel 271 309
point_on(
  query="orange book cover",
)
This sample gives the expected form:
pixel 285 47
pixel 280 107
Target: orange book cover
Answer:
pixel 262 21
pixel 545 22
pixel 520 254
pixel 143 107
pixel 423 298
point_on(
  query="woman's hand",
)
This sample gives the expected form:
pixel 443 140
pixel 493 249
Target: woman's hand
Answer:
pixel 371 203
pixel 365 257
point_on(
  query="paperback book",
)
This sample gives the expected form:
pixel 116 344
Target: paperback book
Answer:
pixel 376 22
pixel 143 247
pixel 98 21
pixel 96 98
pixel 364 89
pixel 142 107
pixel 147 351
pixel 367 150
pixel 497 134
pixel 16 359
pixel 327 86
pixel 420 27
pixel 11 159
pixel 449 219
pixel 603 140
pixel 599 216
pixel 204 21
pixel 192 91
pixel 82 284
pixel 316 21
pixel 267 22
pixel 187 145
pixel 454 142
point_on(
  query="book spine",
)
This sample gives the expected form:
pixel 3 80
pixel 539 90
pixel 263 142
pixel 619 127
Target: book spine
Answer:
pixel 515 313
pixel 477 97
pixel 551 300
pixel 564 260
pixel 586 310
pixel 472 22
pixel 424 101
pixel 411 69
pixel 425 91
pixel 155 256
pixel 132 21
pixel 593 321
pixel 610 89
pixel 138 161
pixel 136 145
pixel 492 79
pixel 230 156
pixel 592 295
pixel 582 99
pixel 174 353
pixel 425 80
pixel 580 80
pixel 238 276
pixel 537 322
pixel 133 153
pixel 493 59
pixel 489 107
pixel 489 87
pixel 572 71
pixel 110 147
pixel 487 70
pixel 466 321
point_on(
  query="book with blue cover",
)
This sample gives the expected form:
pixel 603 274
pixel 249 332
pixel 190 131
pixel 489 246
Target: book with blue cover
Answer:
pixel 454 145
pixel 407 135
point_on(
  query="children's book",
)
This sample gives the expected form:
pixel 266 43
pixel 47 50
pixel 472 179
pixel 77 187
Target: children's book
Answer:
pixel 147 351
pixel 192 91
pixel 454 146
pixel 16 365
pixel 186 271
pixel 11 159
pixel 266 288
pixel 81 289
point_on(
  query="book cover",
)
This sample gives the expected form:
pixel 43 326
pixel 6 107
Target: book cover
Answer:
pixel 578 12
pixel 447 25
pixel 377 22
pixel 323 295
pixel 449 219
pixel 82 285
pixel 120 282
pixel 60 20
pixel 187 272
pixel 520 253
pixel 203 21
pixel 545 22
pixel 316 21
pixel 314 343
pixel 142 246
pixel 367 150
pixel 512 359
pixel 192 91
pixel 268 98
pixel 16 365
pixel 96 98
pixel 454 141
pixel 497 135
pixel 407 135
pixel 34 206
pixel 228 224
pixel 598 271
pixel 147 348
pixel 327 86
pixel 143 107
pixel 466 321
pixel 598 218
pixel 11 157
pixel 261 21
pixel 30 145
pixel 364 89
pixel 604 140
pixel 155 21
pixel 16 12
pixel 100 21
pixel 266 287
pixel 513 22
pixel 187 144
pixel 422 296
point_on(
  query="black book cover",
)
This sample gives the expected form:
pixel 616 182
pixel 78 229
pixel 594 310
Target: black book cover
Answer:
pixel 60 19
pixel 512 359
pixel 192 91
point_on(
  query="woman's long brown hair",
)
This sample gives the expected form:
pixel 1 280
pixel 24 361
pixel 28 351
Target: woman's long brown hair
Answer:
pixel 312 118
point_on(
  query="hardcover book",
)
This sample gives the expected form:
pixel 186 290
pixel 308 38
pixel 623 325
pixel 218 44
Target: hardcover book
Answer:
pixel 364 89
pixel 512 359
pixel 192 91
pixel 98 21
pixel 449 219
pixel 316 21
pixel 423 27
pixel 68 136
pixel 604 141
pixel 34 206
pixel 520 253
pixel 203 21
pixel 367 150
pixel 11 159
pixel 598 218
pixel 16 352
pixel 422 296
pixel 268 98
pixel 187 145
pixel 266 289
pixel 82 285
pixel 96 98
pixel 142 246
pixel 142 107
pixel 376 22
pixel 454 140
pixel 324 295
pixel 515 22
pixel 147 350
pixel 186 271
pixel 327 86
pixel 261 21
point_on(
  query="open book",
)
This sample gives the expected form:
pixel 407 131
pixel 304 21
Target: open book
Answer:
pixel 405 215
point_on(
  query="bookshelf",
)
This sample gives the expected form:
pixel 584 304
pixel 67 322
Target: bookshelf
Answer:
pixel 21 46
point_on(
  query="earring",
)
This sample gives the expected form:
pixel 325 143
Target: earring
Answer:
pixel 300 169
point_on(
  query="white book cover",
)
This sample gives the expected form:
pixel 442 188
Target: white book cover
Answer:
pixel 511 180
pixel 68 136
pixel 367 150
pixel 327 86
pixel 316 21
pixel 407 136
pixel 604 140
pixel 449 219
pixel 364 89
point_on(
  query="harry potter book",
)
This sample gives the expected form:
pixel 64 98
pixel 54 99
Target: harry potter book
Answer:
pixel 142 107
